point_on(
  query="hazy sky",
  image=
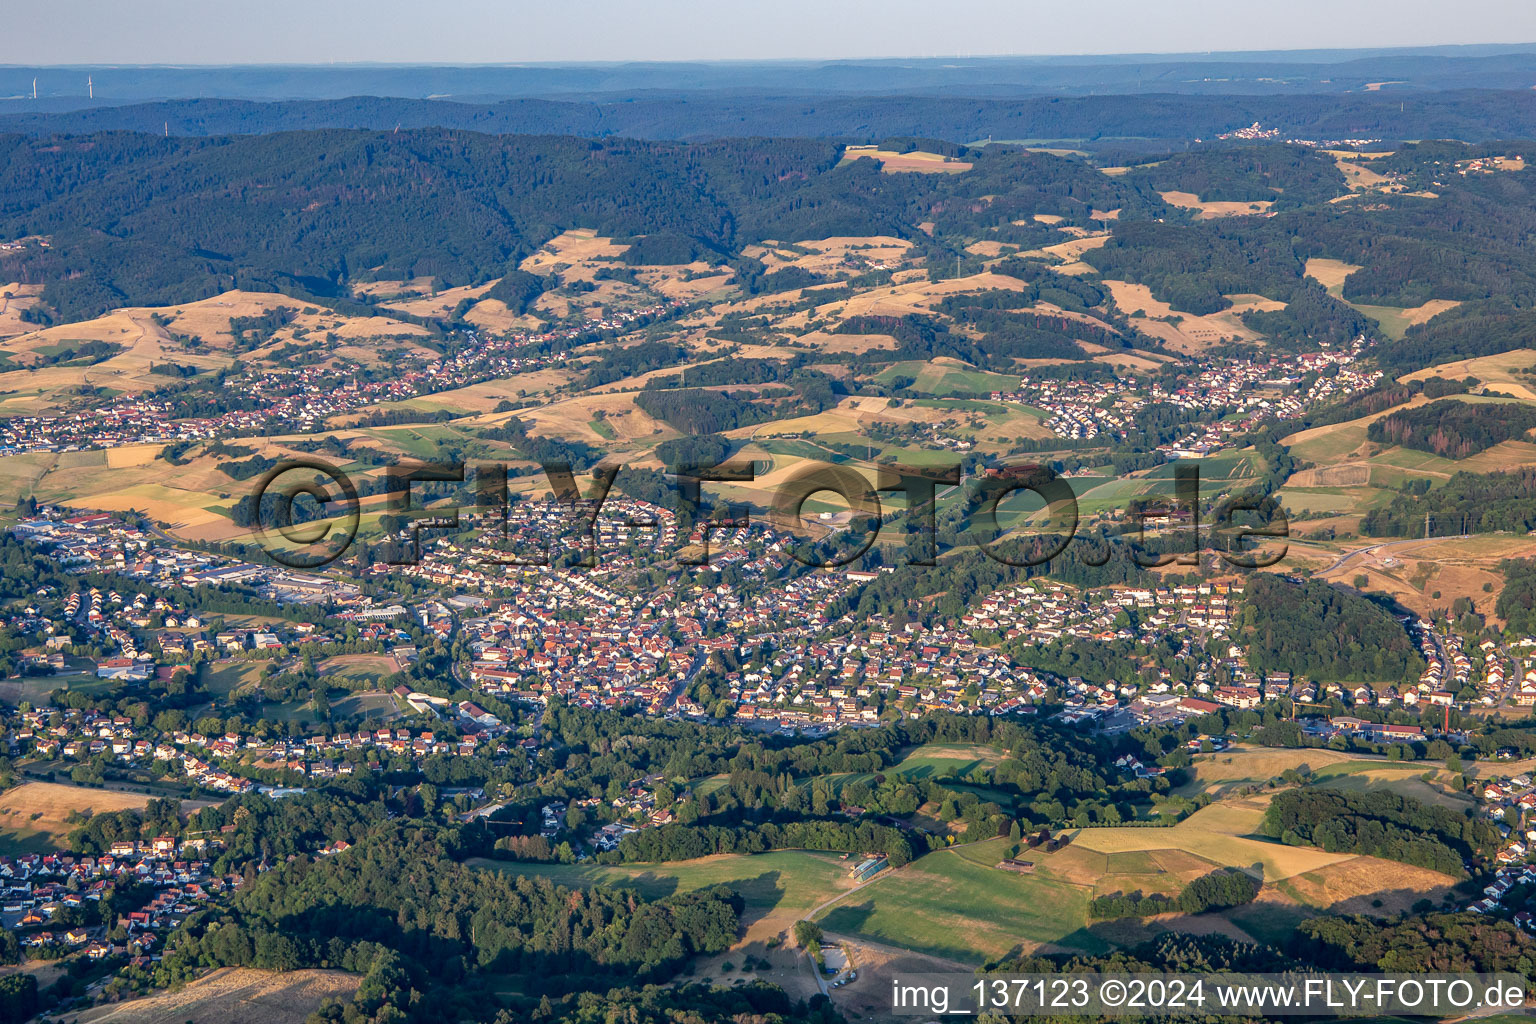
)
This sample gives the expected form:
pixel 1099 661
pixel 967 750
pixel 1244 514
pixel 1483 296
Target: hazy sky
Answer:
pixel 486 31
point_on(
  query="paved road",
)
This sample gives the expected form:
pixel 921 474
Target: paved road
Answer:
pixel 1384 546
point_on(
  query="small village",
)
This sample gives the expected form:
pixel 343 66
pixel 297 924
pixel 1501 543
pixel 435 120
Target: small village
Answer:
pixel 1231 396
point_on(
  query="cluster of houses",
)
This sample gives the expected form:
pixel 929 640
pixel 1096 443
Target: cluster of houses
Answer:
pixel 298 398
pixel 1269 396
pixel 851 678
pixel 1505 880
pixel 1042 612
pixel 38 887
pixel 98 542
pixel 215 762
pixel 1511 805
pixel 1242 392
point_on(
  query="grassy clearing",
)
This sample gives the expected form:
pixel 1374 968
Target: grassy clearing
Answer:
pixel 931 760
pixel 946 377
pixel 37 812
pixel 1404 780
pixel 953 903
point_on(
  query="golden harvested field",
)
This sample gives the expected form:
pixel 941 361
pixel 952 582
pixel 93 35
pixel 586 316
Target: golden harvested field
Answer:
pixel 479 399
pixel 113 485
pixel 133 455
pixel 1357 174
pixel 1353 474
pixel 992 249
pixel 572 418
pixel 1500 372
pixel 1330 273
pixel 1501 769
pixel 1249 303
pixel 1166 870
pixel 189 499
pixel 1298 877
pixel 414 288
pixel 1354 887
pixel 1125 360
pixel 14 298
pixel 848 342
pixel 1442 789
pixel 1244 765
pixel 1070 253
pixel 687 282
pixel 232 995
pixel 1414 571
pixel 493 315
pixel 921 163
pixel 569 253
pixel 46 806
pixel 906 298
pixel 775 470
pixel 430 303
pixel 830 256
pixel 209 319
pixel 1218 833
pixel 1213 210
pixel 1190 334
pixel 847 416
pixel 142 341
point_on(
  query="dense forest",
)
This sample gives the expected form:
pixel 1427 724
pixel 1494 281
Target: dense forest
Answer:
pixel 698 411
pixel 1219 890
pixel 1380 824
pixel 399 890
pixel 1517 601
pixel 1453 429
pixel 1466 503
pixel 131 221
pixel 1120 122
pixel 1417 944
pixel 1283 175
pixel 1314 630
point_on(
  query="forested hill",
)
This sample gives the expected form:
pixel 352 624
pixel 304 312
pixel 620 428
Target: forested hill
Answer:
pixel 139 220
pixel 1470 114
pixel 1324 634
pixel 144 220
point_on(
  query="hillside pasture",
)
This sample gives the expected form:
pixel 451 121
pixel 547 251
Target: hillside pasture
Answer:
pixel 955 904
pixel 1331 274
pixel 1503 372
pixel 1187 334
pixel 42 809
pixel 916 162
pixel 1214 210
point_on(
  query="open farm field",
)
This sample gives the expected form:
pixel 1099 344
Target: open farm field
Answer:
pixel 233 995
